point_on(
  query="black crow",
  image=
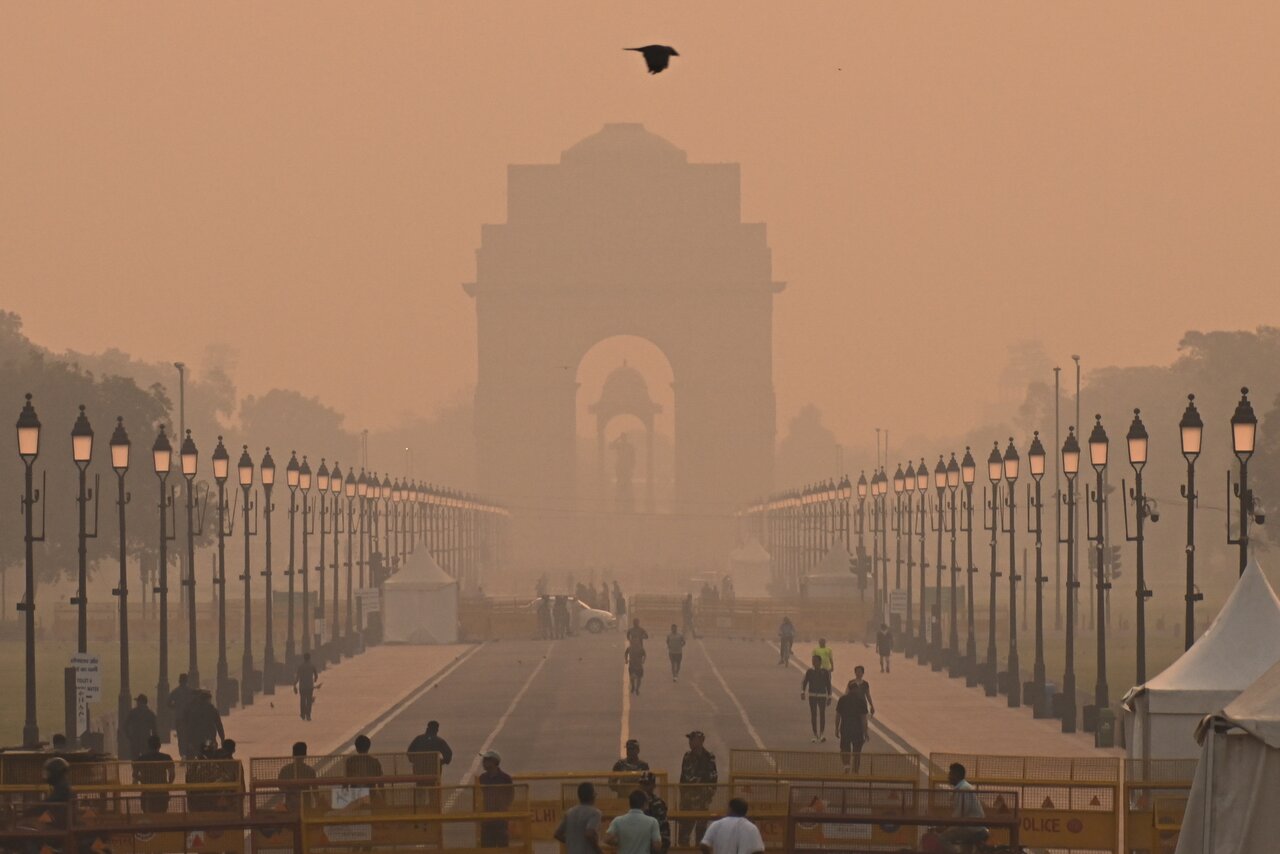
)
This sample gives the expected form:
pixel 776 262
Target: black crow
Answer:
pixel 656 56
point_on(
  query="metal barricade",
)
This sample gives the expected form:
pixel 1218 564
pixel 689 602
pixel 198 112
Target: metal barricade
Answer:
pixel 455 818
pixel 547 794
pixel 852 818
pixel 1155 797
pixel 900 768
pixel 265 772
pixel 101 784
pixel 1068 803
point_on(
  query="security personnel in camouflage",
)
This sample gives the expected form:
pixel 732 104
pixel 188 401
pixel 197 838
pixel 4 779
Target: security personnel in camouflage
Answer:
pixel 656 807
pixel 698 766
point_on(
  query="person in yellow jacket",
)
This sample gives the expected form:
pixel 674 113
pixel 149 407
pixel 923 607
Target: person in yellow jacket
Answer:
pixel 823 652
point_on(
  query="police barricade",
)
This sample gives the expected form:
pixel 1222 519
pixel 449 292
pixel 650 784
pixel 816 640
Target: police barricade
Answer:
pixel 690 807
pixel 1068 803
pixel 853 817
pixel 547 798
pixel 102 783
pixel 1155 797
pixel 903 769
pixel 457 819
pixel 143 825
pixel 399 782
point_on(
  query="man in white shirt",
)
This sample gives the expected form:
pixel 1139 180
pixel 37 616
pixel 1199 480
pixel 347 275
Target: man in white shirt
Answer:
pixel 733 834
pixel 966 805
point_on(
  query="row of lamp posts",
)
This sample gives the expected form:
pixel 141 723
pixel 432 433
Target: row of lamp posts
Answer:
pixel 950 512
pixel 459 529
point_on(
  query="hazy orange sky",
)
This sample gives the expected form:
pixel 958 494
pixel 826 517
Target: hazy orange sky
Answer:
pixel 306 181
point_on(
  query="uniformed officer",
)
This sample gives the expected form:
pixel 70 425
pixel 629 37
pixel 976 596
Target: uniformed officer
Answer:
pixel 656 807
pixel 630 763
pixel 697 767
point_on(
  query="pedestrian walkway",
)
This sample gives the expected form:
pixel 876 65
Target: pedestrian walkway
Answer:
pixel 351 698
pixel 932 712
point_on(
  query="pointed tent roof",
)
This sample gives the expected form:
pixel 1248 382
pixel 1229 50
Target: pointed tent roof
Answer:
pixel 1257 709
pixel 749 552
pixel 1241 644
pixel 419 572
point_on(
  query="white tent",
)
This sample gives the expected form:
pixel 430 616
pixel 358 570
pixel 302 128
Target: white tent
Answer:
pixel 1239 646
pixel 420 603
pixel 1232 806
pixel 749 568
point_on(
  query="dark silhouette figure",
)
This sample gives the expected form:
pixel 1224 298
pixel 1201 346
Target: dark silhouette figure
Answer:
pixel 656 56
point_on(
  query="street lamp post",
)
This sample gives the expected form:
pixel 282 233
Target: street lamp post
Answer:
pixel 1244 434
pixel 1070 468
pixel 362 492
pixel 162 459
pixel 1036 457
pixel 922 528
pixel 244 470
pixel 1098 447
pixel 909 486
pixel 899 486
pixel 224 693
pixel 936 661
pixel 954 663
pixel 1014 675
pixel 322 499
pixel 82 454
pixel 189 458
pixel 335 488
pixel 968 474
pixel 349 490
pixel 28 450
pixel 120 463
pixel 308 528
pixel 292 477
pixel 995 471
pixel 1144 508
pixel 268 474
pixel 861 526
pixel 1191 432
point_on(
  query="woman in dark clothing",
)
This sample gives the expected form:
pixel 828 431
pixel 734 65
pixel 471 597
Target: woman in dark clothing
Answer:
pixel 817 685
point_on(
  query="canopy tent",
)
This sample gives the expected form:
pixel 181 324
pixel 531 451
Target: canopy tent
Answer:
pixel 1241 643
pixel 1231 808
pixel 420 603
pixel 749 568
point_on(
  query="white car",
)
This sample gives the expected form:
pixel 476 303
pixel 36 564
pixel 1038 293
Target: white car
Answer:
pixel 585 618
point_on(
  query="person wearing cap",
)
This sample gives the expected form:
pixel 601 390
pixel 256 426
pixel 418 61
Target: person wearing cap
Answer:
pixel 139 725
pixel 498 796
pixel 631 763
pixel 697 766
pixel 656 808
pixel 579 829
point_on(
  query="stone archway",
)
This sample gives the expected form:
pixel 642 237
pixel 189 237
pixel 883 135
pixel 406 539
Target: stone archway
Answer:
pixel 625 237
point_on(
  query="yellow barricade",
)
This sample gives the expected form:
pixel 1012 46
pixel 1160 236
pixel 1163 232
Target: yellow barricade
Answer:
pixel 1068 803
pixel 691 806
pixel 266 771
pixel 546 794
pixel 903 768
pixel 1155 797
pixel 99 785
pixel 467 819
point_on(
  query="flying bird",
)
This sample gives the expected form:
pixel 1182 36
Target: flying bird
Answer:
pixel 656 56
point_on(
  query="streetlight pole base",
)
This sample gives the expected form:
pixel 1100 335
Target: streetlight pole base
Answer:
pixel 246 681
pixel 1015 682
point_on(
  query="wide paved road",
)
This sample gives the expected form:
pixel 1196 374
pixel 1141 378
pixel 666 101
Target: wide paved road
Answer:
pixel 564 706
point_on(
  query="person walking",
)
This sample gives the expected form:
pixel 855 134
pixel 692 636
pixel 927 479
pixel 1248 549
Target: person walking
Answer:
pixel 824 652
pixel 619 601
pixel 675 651
pixel 851 719
pixel 965 806
pixel 697 767
pixel 579 829
pixel 733 834
pixel 560 617
pixel 634 832
pixel 634 657
pixel 154 768
pixel 139 725
pixel 178 701
pixel 429 741
pixel 204 723
pixel 884 646
pixel 656 808
pixel 686 611
pixel 636 636
pixel 304 685
pixel 817 685
pixel 786 639
pixel 498 796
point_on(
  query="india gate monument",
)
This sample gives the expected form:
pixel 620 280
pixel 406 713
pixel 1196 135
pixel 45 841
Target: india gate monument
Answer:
pixel 624 237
